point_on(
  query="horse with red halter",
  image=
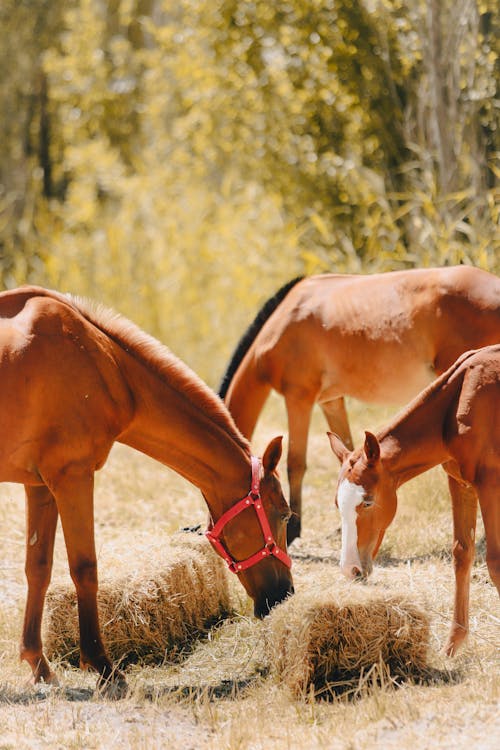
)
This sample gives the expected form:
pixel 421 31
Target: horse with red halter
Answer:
pixel 75 379
pixel 379 338
pixel 454 422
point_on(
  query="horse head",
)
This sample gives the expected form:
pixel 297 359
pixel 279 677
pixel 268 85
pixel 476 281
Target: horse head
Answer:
pixel 366 498
pixel 256 537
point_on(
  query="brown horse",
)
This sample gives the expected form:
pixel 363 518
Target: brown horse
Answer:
pixel 76 378
pixel 378 338
pixel 454 422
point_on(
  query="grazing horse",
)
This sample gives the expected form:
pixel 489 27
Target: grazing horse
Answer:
pixel 379 338
pixel 454 422
pixel 75 378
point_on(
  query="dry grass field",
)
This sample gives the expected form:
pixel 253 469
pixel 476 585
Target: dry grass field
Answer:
pixel 219 693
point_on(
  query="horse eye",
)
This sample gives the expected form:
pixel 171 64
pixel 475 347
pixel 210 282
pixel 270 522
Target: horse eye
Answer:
pixel 368 501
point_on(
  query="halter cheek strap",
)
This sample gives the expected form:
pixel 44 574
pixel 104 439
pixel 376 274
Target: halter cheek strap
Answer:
pixel 253 499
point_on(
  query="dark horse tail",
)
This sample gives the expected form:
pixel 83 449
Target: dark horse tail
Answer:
pixel 249 336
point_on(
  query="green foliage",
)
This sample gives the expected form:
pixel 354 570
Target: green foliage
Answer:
pixel 180 161
pixel 27 27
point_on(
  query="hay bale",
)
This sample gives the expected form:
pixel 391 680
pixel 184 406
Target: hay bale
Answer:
pixel 320 640
pixel 156 602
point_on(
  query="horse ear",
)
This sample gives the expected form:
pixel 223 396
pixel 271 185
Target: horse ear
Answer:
pixel 371 448
pixel 272 455
pixel 338 447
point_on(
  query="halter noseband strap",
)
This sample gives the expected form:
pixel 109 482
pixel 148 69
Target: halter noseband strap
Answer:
pixel 270 547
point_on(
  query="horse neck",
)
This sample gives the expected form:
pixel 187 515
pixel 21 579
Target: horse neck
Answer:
pixel 185 429
pixel 413 442
pixel 246 397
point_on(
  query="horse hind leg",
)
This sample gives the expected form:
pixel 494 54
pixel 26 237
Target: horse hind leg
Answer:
pixel 74 496
pixel 41 523
pixel 464 507
pixel 337 419
pixel 299 410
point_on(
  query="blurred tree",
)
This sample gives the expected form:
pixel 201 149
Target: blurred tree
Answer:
pixel 311 93
pixel 27 28
pixel 451 202
pixel 180 161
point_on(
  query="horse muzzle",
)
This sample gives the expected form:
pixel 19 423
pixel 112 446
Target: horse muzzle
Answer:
pixel 263 606
pixel 358 569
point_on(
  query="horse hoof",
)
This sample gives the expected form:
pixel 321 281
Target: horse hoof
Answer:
pixel 452 645
pixel 48 679
pixel 293 530
pixel 450 649
pixel 113 689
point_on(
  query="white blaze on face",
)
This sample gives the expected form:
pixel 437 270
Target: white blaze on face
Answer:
pixel 349 496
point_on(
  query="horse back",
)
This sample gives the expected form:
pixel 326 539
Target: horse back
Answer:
pixel 13 301
pixel 418 321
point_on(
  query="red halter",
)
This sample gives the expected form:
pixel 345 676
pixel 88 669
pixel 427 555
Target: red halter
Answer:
pixel 252 499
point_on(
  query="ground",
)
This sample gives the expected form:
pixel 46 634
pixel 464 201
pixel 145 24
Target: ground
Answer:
pixel 219 694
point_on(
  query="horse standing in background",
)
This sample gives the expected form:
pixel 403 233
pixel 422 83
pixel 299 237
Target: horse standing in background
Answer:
pixel 379 338
pixel 75 379
pixel 454 422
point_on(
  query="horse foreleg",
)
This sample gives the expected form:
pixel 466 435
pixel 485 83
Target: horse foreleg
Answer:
pixel 299 417
pixel 464 506
pixel 41 522
pixel 74 496
pixel 337 419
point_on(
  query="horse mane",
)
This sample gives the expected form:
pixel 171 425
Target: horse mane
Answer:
pixel 251 333
pixel 158 358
